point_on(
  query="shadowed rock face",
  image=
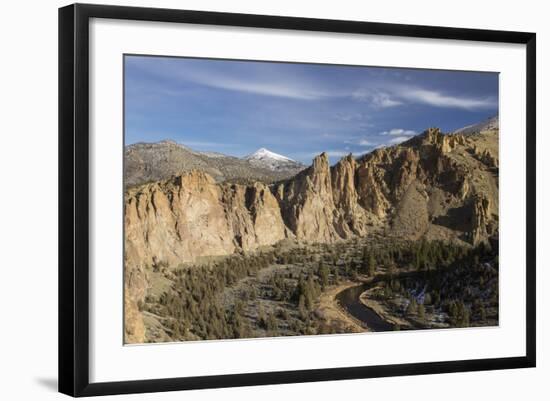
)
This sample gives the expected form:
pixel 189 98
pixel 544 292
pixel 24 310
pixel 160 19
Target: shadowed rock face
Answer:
pixel 351 217
pixel 307 204
pixel 435 186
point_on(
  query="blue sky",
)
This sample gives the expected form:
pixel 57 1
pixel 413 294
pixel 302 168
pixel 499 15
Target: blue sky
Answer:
pixel 298 110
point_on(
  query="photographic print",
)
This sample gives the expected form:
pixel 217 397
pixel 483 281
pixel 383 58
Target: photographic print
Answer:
pixel 267 199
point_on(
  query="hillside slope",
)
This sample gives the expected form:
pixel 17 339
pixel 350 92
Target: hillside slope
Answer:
pixel 486 125
pixel 148 162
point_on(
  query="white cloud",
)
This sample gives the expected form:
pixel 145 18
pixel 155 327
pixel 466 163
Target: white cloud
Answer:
pixel 438 99
pixel 361 94
pixel 278 89
pixel 399 139
pixel 360 142
pixel 384 100
pixel 396 95
pixel 279 85
pixel 364 142
pixel 399 131
pixel 375 98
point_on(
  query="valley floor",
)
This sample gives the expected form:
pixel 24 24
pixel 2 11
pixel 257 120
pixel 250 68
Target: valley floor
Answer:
pixel 304 289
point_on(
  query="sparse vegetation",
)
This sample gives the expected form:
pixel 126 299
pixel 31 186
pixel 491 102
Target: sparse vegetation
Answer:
pixel 276 292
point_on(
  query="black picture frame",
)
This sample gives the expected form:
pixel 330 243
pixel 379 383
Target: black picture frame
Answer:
pixel 74 198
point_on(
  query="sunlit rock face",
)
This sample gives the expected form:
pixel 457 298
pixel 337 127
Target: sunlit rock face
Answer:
pixel 191 215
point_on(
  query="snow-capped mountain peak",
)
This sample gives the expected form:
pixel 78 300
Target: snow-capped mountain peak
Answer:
pixel 273 161
pixel 265 154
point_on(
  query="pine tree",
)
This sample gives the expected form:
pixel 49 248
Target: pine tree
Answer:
pixel 372 265
pixel 261 316
pixel 392 269
pixel 302 307
pixel 421 312
pixel 271 324
pixel 483 314
pixel 427 299
pixel 465 318
pixel 412 307
pixel 323 275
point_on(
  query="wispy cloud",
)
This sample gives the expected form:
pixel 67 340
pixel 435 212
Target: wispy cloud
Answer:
pixel 399 139
pixel 439 99
pixel 349 117
pixel 376 98
pixel 255 81
pixel 278 89
pixel 385 100
pixel 399 131
pixel 397 95
pixel 365 125
pixel 365 142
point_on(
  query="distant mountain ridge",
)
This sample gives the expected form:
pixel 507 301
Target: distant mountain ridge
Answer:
pixel 486 125
pixel 147 162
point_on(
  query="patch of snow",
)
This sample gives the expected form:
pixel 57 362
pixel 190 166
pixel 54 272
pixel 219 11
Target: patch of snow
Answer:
pixel 271 160
pixel 263 154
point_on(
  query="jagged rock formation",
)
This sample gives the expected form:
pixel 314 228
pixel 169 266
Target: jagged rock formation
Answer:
pixel 190 216
pixel 434 186
pixel 486 157
pixel 135 289
pixel 351 218
pixel 253 215
pixel 307 204
pixel 482 225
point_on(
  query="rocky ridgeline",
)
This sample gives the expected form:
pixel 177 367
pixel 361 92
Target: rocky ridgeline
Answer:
pixel 150 162
pixel 434 186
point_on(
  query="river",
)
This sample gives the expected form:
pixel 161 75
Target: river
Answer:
pixel 349 300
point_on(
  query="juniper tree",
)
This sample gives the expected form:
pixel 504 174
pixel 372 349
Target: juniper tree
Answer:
pixel 412 307
pixel 372 265
pixel 323 273
pixel 302 307
pixel 421 311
